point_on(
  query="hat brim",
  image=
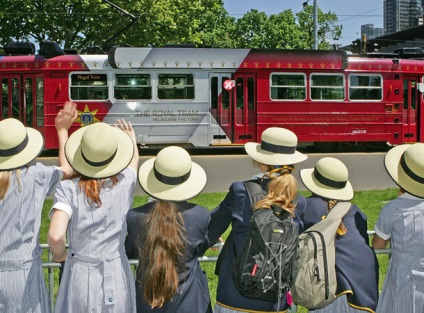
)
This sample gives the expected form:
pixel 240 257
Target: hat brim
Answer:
pixel 254 150
pixel 311 183
pixel 396 172
pixel 123 156
pixel 195 183
pixel 27 155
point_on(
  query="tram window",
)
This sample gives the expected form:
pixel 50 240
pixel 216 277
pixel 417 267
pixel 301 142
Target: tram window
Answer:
pixel 214 93
pixel 132 87
pixel 288 87
pixel 15 98
pixel 28 102
pixel 327 87
pixel 40 102
pixel 4 98
pixel 365 87
pixel 89 87
pixel 175 86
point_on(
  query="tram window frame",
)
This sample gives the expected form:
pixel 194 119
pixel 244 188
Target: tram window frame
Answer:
pixel 286 89
pixel 327 91
pixel 40 101
pixel 180 86
pixel 90 88
pixel 364 90
pixel 5 98
pixel 137 87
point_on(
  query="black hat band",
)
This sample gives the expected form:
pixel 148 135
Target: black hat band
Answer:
pixel 14 150
pixel 408 171
pixel 98 164
pixel 277 149
pixel 168 180
pixel 328 182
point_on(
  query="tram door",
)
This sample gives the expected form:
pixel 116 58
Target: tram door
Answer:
pixel 411 104
pixel 244 108
pixel 22 98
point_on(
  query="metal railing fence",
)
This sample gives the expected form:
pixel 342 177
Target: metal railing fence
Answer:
pixel 50 265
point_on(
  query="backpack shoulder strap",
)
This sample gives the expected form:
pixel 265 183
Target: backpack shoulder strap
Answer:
pixel 340 210
pixel 254 190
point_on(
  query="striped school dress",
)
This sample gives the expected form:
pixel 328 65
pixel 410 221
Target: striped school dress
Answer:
pixel 97 276
pixel 22 285
pixel 402 221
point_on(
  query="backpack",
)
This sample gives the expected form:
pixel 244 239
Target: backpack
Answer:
pixel 265 266
pixel 315 281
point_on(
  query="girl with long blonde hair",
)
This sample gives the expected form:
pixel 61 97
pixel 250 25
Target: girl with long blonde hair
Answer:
pixel 23 188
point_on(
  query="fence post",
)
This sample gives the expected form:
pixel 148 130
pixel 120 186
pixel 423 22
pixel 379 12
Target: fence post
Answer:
pixel 51 281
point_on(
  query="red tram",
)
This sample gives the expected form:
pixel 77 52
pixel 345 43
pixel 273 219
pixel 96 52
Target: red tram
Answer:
pixel 206 96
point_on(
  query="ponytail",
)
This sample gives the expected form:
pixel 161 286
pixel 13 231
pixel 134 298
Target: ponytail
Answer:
pixel 282 191
pixel 161 253
pixel 91 187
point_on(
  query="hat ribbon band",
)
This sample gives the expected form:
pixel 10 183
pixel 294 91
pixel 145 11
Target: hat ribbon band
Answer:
pixel 14 150
pixel 168 180
pixel 277 149
pixel 408 171
pixel 328 182
pixel 98 164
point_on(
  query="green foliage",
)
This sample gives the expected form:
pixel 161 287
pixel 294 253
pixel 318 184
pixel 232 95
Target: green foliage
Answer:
pixel 84 23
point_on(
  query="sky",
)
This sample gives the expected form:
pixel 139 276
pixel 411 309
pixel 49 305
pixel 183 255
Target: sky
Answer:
pixel 351 13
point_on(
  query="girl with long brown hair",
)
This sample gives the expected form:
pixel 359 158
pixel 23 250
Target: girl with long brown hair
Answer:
pixel 169 234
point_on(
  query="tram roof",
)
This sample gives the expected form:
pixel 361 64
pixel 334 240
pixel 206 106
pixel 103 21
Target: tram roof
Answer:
pixel 214 58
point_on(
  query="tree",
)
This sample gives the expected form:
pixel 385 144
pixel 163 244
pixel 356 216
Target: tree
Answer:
pixel 282 32
pixel 84 23
pixel 70 23
pixel 249 31
pixel 326 27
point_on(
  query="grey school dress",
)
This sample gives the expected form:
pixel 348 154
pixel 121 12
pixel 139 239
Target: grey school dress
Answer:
pixel 22 285
pixel 97 276
pixel 402 221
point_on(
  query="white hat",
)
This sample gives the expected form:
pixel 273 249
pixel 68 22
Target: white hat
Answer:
pixel 171 175
pixel 19 145
pixel 277 147
pixel 99 150
pixel 405 165
pixel 329 179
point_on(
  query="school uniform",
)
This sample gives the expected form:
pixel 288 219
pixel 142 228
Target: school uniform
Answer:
pixel 356 263
pixel 402 222
pixel 193 292
pixel 22 285
pixel 236 210
pixel 97 276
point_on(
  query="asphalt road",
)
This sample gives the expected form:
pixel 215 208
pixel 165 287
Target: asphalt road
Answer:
pixel 366 170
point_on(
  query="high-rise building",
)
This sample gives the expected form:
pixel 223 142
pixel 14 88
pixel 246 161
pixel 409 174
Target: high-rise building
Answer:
pixel 371 32
pixel 402 14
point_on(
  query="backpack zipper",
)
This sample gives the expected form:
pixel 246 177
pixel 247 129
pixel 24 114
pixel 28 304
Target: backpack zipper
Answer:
pixel 327 288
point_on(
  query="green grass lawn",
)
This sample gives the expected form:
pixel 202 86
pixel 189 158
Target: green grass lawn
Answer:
pixel 369 201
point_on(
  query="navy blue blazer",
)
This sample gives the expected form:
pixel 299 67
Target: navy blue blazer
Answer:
pixel 236 210
pixel 356 263
pixel 193 294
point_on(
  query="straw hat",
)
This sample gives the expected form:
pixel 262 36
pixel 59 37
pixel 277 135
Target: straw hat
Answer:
pixel 405 165
pixel 277 147
pixel 171 175
pixel 99 150
pixel 329 179
pixel 19 145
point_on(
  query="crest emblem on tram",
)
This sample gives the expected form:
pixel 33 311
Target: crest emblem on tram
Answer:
pixel 87 117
